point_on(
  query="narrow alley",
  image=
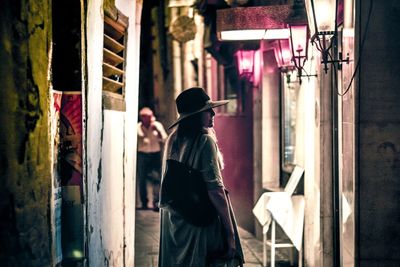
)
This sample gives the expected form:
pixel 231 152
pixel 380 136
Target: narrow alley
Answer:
pixel 300 97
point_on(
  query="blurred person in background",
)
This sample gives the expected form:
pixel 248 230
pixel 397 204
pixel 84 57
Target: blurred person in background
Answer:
pixel 151 136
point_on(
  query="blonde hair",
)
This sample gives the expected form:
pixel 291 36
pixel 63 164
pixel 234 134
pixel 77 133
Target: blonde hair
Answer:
pixel 213 135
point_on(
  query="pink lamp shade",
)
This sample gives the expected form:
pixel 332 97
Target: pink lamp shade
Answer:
pixel 299 44
pixel 283 54
pixel 245 62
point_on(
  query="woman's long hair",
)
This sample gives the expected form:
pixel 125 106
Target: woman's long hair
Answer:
pixel 192 126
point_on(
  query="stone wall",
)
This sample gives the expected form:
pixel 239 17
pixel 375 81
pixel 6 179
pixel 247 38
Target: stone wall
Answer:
pixel 378 183
pixel 25 181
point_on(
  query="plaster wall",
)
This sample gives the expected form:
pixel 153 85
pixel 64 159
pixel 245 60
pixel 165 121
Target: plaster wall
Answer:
pixel 111 146
pixel 133 9
pixel 323 251
pixel 315 135
pixel 25 177
pixel 346 129
pixel 111 192
pixel 94 131
pixel 307 133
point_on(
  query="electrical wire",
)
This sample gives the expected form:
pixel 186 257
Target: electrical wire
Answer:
pixel 359 54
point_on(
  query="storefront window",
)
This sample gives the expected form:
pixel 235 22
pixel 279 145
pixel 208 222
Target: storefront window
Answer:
pixel 290 86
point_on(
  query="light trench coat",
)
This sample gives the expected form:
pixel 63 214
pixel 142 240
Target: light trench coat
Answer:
pixel 183 244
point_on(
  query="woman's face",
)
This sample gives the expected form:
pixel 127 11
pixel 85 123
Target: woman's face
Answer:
pixel 208 118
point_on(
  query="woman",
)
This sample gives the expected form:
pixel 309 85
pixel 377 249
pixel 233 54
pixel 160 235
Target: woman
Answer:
pixel 181 243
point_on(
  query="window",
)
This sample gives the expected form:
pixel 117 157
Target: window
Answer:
pixel 115 26
pixel 289 100
pixel 292 148
pixel 232 88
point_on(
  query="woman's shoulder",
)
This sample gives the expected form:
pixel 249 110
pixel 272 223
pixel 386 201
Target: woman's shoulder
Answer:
pixel 207 141
pixel 206 137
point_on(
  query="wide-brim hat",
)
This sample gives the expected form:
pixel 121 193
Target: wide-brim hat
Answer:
pixel 192 101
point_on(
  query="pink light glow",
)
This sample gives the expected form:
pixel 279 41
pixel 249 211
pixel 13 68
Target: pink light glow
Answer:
pixel 257 68
pixel 245 62
pixel 283 54
pixel 255 34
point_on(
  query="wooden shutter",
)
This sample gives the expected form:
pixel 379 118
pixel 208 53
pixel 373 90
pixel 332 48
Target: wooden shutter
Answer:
pixel 114 51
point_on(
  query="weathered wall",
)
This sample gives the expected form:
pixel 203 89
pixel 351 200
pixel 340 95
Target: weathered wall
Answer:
pixel 24 141
pixel 346 130
pixel 378 164
pixel 321 221
pixel 313 142
pixel 111 146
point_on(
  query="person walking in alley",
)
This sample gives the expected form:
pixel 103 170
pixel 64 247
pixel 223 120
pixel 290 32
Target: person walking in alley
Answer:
pixel 182 243
pixel 151 136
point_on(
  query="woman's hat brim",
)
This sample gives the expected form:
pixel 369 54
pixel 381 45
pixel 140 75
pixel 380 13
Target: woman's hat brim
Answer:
pixel 209 104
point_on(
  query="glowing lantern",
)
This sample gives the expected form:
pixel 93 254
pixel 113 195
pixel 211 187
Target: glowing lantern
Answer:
pixel 245 63
pixel 299 46
pixel 283 54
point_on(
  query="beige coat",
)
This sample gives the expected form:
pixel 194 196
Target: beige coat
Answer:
pixel 182 244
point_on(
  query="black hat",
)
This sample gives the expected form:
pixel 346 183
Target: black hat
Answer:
pixel 192 101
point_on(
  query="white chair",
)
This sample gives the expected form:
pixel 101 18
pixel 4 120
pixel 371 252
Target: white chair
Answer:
pixel 272 243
